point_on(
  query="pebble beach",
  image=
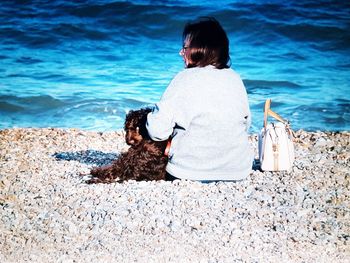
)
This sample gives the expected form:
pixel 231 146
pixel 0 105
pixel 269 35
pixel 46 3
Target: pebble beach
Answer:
pixel 48 213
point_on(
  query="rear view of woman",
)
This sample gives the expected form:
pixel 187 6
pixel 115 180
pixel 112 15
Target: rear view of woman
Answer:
pixel 205 110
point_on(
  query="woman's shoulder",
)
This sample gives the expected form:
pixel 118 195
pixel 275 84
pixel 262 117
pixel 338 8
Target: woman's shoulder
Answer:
pixel 197 73
pixel 190 72
pixel 186 74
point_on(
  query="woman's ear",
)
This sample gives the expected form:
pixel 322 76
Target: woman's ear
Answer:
pixel 137 130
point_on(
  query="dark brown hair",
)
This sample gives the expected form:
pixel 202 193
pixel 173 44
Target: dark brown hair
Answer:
pixel 208 43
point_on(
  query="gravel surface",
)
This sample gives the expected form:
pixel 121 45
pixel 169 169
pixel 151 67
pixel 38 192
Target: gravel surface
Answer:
pixel 48 213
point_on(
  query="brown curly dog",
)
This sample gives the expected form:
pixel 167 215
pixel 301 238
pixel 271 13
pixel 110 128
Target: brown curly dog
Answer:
pixel 145 159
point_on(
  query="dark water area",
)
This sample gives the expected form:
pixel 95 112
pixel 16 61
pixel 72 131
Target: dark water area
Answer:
pixel 84 64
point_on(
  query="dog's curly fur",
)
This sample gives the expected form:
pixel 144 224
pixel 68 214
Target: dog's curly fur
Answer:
pixel 144 160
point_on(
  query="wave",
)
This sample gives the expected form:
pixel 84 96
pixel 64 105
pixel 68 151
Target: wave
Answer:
pixel 308 21
pixel 91 21
pixel 334 116
pixel 10 103
pixel 28 60
pixel 10 107
pixel 104 20
pixel 253 86
pixel 79 31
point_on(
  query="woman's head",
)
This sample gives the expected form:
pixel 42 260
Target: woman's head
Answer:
pixel 205 43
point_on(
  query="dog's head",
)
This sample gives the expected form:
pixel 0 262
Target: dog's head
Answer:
pixel 135 126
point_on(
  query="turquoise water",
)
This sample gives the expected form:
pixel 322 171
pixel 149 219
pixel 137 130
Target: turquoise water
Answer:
pixel 86 64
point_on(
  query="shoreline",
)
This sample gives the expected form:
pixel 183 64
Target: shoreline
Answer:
pixel 49 215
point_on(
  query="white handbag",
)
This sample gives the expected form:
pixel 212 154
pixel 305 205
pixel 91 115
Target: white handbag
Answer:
pixel 276 148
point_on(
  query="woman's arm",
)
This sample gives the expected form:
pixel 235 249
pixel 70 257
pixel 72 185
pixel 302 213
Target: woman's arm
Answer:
pixel 160 122
pixel 171 111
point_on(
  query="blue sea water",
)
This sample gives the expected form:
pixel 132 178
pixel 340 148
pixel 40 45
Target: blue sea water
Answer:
pixel 84 64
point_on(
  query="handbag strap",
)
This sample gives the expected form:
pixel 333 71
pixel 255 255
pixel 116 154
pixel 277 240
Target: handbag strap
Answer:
pixel 268 112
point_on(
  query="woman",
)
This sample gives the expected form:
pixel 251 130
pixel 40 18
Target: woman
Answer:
pixel 205 110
